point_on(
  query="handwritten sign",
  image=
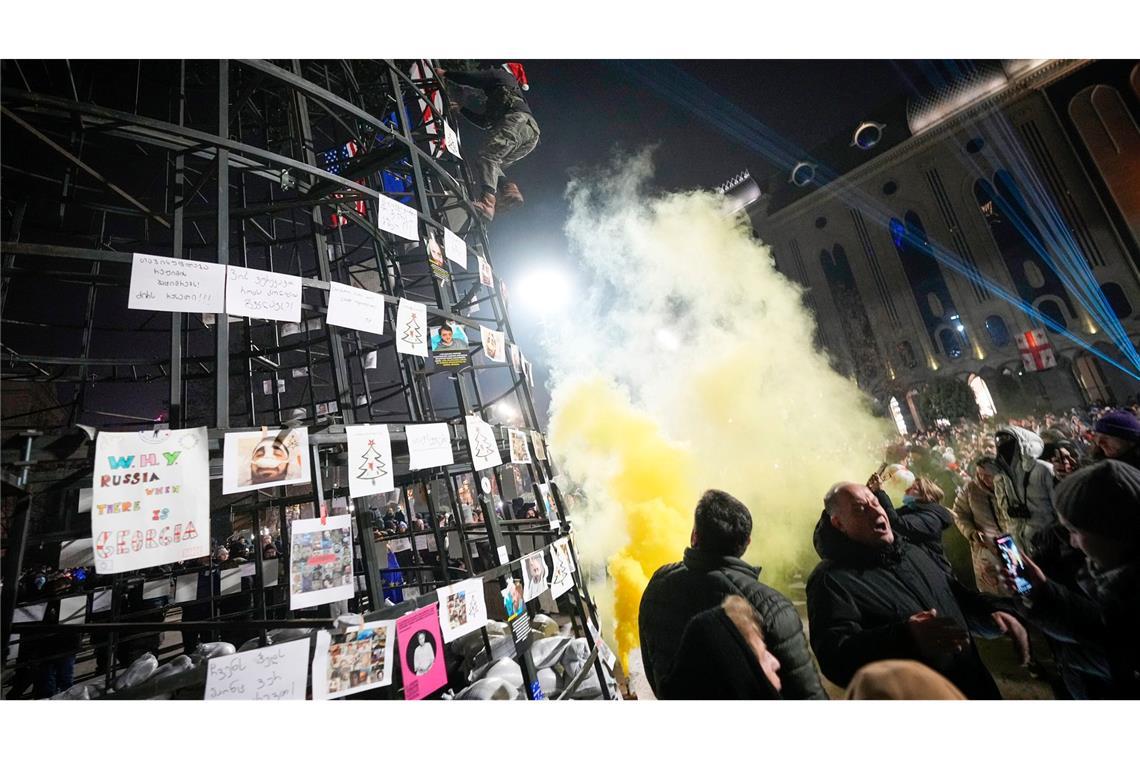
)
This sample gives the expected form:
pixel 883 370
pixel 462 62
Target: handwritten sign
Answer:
pixel 455 248
pixel 451 140
pixel 160 283
pixel 277 672
pixel 411 328
pixel 355 308
pixel 370 470
pixel 263 295
pixel 429 446
pixel 484 447
pixel 151 498
pixel 398 218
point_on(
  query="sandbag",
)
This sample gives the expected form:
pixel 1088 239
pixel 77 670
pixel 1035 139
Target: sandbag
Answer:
pixel 544 625
pixel 489 688
pixel 508 670
pixel 547 653
pixel 137 672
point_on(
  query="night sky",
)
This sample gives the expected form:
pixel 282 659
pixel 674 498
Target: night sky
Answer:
pixel 588 109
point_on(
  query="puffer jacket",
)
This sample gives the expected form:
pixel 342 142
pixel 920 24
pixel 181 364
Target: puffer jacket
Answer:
pixel 860 598
pixel 1023 494
pixel 679 592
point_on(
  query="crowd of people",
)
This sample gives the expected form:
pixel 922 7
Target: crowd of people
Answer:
pixel 1050 510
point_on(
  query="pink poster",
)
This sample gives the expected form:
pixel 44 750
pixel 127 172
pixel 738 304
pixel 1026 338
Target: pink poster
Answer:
pixel 421 652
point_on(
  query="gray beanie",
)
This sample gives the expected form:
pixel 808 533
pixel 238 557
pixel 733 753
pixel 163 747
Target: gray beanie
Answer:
pixel 1103 499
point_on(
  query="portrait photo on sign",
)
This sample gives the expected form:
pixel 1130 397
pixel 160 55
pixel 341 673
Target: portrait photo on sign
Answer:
pixel 421 652
pixel 255 459
pixel 513 598
pixel 354 660
pixel 435 255
pixel 486 276
pixel 493 345
pixel 534 575
pixel 320 562
pixel 520 452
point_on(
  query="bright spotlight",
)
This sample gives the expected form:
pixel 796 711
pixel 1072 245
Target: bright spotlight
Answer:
pixel 546 289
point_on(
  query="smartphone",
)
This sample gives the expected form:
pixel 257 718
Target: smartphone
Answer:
pixel 1011 556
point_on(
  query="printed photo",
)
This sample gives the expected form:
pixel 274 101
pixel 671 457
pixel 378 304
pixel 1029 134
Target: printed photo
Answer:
pixel 494 346
pixel 485 275
pixel 450 336
pixel 520 452
pixel 320 562
pixel 253 459
pixel 457 609
pixel 354 660
pixel 534 575
pixel 513 598
pixel 422 652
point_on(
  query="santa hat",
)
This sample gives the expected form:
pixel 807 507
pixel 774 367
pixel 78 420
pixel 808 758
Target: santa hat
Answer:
pixel 518 72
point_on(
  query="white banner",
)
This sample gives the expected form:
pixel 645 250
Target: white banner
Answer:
pixel 398 218
pixel 160 283
pixel 263 295
pixel 151 499
pixel 370 470
pixel 355 308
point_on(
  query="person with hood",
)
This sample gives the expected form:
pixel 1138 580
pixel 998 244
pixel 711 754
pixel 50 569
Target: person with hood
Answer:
pixel 712 569
pixel 723 656
pixel 1100 507
pixel 976 517
pixel 878 596
pixel 513 131
pixel 1023 493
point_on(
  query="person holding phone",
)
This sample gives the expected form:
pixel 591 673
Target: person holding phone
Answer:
pixel 976 517
pixel 877 596
pixel 1100 508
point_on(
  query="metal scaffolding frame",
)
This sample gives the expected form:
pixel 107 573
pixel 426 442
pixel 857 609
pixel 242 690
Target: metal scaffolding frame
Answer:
pixel 243 162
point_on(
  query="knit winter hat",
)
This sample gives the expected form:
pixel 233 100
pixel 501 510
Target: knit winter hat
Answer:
pixel 518 72
pixel 1120 424
pixel 1103 499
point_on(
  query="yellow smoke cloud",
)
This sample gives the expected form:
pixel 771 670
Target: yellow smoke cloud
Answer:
pixel 690 365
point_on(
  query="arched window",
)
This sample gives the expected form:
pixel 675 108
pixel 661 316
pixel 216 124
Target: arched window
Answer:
pixel 999 333
pixel 1114 294
pixel 897 416
pixel 982 395
pixel 950 344
pixel 1050 309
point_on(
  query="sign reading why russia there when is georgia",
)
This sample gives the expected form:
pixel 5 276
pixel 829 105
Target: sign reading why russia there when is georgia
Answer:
pixel 151 498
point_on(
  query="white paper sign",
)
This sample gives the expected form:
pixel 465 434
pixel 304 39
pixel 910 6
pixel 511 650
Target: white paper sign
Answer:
pixel 370 470
pixel 528 372
pixel 73 610
pixel 484 447
pixel 85 497
pixel 429 446
pixel 561 574
pixel 156 589
pixel 357 659
pixel 230 581
pixel 159 283
pixel 539 446
pixel 520 451
pixel 455 248
pixel 450 140
pixel 263 295
pixel 271 572
pixel 494 345
pixel 411 328
pixel 151 498
pixel 186 587
pixel 101 600
pixel 277 672
pixel 462 609
pixel 320 561
pixel 78 553
pixel 29 613
pixel 253 460
pixel 486 276
pixel 547 504
pixel 398 218
pixel 355 308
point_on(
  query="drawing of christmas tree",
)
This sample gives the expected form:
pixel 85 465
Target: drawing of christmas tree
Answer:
pixel 413 333
pixel 483 448
pixel 372 464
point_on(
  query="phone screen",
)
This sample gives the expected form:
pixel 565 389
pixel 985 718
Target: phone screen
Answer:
pixel 1011 556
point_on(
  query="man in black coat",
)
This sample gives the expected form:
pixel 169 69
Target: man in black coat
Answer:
pixel 878 596
pixel 712 570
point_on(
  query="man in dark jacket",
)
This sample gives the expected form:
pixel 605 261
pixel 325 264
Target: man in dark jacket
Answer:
pixel 878 596
pixel 513 131
pixel 712 570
